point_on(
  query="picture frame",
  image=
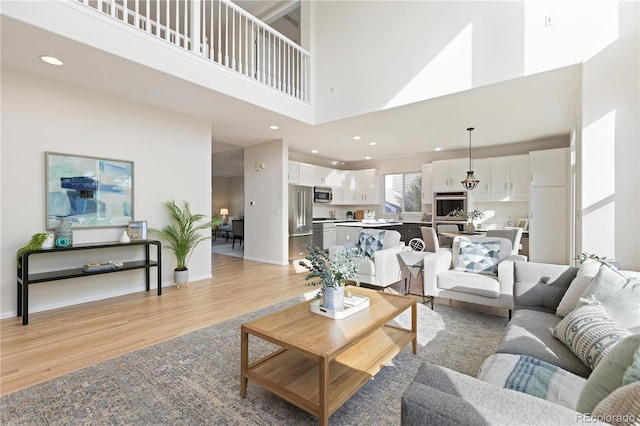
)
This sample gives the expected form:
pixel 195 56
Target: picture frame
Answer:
pixel 137 230
pixel 523 223
pixel 90 192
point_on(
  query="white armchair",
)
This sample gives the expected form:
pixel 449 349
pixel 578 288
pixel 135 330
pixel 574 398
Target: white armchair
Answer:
pixel 442 279
pixel 382 269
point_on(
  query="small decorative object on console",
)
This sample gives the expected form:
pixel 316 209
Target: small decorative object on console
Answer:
pixel 102 266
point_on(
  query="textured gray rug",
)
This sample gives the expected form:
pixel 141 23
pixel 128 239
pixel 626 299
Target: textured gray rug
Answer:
pixel 194 379
pixel 226 249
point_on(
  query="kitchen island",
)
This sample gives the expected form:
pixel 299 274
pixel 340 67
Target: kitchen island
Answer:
pixel 349 231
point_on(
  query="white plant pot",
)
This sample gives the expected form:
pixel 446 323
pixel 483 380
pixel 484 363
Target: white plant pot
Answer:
pixel 48 243
pixel 181 277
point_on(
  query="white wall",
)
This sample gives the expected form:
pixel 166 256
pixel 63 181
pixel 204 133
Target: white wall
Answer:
pixel 172 160
pixel 437 48
pixel 265 203
pixel 608 146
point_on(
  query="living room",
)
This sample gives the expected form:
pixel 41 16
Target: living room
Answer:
pixel 45 111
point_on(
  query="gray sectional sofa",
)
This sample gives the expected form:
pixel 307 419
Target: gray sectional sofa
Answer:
pixel 440 396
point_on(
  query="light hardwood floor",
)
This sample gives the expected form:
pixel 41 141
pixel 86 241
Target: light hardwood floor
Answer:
pixel 59 341
pixel 63 340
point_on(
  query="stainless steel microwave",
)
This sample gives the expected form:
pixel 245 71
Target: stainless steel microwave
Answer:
pixel 322 194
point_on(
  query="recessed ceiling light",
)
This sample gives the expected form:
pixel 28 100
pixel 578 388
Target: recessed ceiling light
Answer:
pixel 314 151
pixel 274 127
pixel 51 60
pixel 438 149
pixel 367 158
pixel 373 143
pixel 357 138
pixel 335 163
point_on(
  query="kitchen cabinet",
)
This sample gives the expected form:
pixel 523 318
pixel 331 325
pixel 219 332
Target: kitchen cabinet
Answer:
pixel 294 172
pixel 349 187
pixel 448 174
pixel 482 172
pixel 307 174
pixel 509 180
pixel 367 186
pixel 549 206
pixel 427 184
pixel 329 237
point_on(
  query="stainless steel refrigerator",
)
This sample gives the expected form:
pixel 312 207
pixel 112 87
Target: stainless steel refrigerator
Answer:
pixel 300 220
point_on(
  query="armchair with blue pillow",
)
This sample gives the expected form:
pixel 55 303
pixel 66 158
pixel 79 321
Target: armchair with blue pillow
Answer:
pixel 378 266
pixel 476 270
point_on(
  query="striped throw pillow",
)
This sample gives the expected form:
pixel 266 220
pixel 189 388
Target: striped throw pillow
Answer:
pixel 589 332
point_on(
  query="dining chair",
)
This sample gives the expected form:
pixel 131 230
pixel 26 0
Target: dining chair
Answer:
pixel 446 241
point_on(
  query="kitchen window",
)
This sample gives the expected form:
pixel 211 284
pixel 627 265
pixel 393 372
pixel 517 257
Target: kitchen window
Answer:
pixel 403 193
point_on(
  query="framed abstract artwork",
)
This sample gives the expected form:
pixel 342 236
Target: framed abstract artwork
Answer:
pixel 90 192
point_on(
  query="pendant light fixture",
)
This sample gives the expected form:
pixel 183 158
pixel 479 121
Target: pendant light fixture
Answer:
pixel 470 182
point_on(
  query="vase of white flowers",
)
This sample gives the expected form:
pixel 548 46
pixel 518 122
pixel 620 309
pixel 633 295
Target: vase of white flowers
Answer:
pixel 470 217
pixel 330 274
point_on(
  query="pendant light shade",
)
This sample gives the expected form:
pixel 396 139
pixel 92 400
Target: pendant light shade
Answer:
pixel 470 182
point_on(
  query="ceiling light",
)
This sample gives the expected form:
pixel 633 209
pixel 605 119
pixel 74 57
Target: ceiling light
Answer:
pixel 51 60
pixel 314 151
pixel 274 127
pixel 373 143
pixel 367 158
pixel 438 149
pixel 357 138
pixel 470 182
pixel 335 163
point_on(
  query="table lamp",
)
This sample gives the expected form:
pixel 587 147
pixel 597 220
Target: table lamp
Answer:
pixel 224 213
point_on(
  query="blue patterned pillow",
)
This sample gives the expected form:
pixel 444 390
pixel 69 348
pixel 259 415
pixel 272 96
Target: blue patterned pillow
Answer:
pixel 480 257
pixel 370 243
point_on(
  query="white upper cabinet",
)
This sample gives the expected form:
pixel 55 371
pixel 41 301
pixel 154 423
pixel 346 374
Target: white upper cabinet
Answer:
pixel 367 186
pixel 448 174
pixel 502 178
pixel 427 184
pixel 549 167
pixel 307 174
pixel 294 173
pixel 349 187
pixel 481 170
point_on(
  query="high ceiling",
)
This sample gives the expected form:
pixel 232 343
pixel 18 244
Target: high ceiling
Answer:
pixel 524 109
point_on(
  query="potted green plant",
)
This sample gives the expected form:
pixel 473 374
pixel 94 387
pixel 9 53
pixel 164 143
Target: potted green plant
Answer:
pixel 183 235
pixel 34 244
pixel 349 214
pixel 332 274
pixel 470 217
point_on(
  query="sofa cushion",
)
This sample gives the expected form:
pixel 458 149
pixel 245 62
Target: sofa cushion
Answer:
pixel 533 377
pixel 621 407
pixel 464 282
pixel 589 332
pixel 528 334
pixel 619 293
pixel 587 271
pixel 505 246
pixel 479 257
pixel 541 286
pixel 608 375
pixel 368 243
pixel 439 396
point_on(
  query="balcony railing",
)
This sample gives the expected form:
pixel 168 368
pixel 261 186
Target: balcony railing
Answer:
pixel 221 32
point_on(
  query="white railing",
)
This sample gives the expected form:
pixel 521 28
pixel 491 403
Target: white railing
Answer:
pixel 221 32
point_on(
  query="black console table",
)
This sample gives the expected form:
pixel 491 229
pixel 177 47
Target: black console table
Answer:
pixel 25 278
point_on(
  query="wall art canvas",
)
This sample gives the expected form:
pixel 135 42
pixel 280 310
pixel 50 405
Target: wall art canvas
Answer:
pixel 90 192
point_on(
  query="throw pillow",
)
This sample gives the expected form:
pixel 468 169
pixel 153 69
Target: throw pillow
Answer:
pixel 589 332
pixel 632 374
pixel 480 257
pixel 587 271
pixel 368 244
pixel 608 376
pixel 622 407
pixel 620 296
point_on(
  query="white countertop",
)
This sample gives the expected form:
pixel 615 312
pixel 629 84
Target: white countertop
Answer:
pixel 361 224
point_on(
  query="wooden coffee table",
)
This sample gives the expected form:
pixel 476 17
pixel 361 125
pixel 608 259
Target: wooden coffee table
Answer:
pixel 322 362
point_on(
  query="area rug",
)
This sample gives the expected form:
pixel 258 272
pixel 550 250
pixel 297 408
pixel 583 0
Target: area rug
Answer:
pixel 194 379
pixel 225 249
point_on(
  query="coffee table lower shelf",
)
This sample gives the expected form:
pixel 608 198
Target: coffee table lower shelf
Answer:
pixel 295 377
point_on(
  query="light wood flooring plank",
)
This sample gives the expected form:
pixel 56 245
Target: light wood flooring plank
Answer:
pixel 62 340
